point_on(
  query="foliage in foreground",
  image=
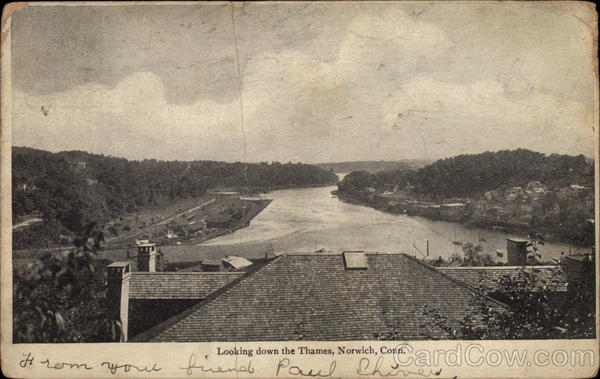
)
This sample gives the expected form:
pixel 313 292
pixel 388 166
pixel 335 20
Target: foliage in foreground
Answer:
pixel 60 298
pixel 534 310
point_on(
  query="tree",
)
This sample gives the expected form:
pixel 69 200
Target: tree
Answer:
pixel 533 257
pixel 66 196
pixel 535 309
pixel 60 297
pixel 473 255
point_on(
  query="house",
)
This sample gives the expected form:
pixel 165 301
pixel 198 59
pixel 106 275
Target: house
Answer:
pixel 324 297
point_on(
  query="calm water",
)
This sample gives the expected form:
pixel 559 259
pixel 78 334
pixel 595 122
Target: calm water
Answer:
pixel 300 220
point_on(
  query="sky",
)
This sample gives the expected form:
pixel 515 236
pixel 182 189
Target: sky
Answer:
pixel 307 82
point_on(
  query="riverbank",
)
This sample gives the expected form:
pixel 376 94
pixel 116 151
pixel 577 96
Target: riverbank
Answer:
pixel 452 213
pixel 308 219
pixel 186 222
pixel 213 217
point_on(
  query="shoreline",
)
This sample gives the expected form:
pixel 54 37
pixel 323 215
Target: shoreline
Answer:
pixel 119 252
pixel 498 226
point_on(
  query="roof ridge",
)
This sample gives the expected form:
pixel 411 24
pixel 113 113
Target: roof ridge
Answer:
pixel 459 282
pixel 493 267
pixel 199 273
pixel 314 254
pixel 152 332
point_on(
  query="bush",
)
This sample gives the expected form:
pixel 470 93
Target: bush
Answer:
pixel 60 297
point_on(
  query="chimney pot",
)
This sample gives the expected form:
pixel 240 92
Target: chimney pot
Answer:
pixel 146 259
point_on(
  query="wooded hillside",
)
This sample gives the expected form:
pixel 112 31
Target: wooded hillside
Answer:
pixel 468 175
pixel 68 190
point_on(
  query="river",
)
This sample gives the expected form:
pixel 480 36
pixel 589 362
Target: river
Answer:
pixel 306 219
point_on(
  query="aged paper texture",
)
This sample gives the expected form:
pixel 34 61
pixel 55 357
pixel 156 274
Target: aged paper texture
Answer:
pixel 299 189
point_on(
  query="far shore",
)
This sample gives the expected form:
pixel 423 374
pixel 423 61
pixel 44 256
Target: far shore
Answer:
pixel 506 227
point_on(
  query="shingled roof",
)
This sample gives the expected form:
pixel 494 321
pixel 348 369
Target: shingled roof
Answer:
pixel 490 277
pixel 314 297
pixel 178 285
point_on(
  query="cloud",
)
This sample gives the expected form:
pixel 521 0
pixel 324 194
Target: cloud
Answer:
pixel 397 35
pixel 132 120
pixel 324 82
pixel 484 115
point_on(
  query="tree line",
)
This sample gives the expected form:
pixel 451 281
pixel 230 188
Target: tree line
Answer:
pixel 471 174
pixel 68 190
pixel 560 211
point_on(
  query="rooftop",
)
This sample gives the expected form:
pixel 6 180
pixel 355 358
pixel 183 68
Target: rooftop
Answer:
pixel 490 277
pixel 178 285
pixel 314 297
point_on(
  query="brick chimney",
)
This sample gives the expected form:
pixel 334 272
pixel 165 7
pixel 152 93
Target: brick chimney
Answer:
pixel 146 258
pixel 117 294
pixel 516 249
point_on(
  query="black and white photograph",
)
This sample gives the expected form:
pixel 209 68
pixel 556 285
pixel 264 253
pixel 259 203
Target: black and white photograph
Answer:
pixel 289 172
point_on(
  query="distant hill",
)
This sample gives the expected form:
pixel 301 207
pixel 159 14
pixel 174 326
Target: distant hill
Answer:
pixel 560 211
pixel 374 166
pixel 470 174
pixel 69 190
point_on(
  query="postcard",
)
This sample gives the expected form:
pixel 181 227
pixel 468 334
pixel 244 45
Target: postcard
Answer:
pixel 280 189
